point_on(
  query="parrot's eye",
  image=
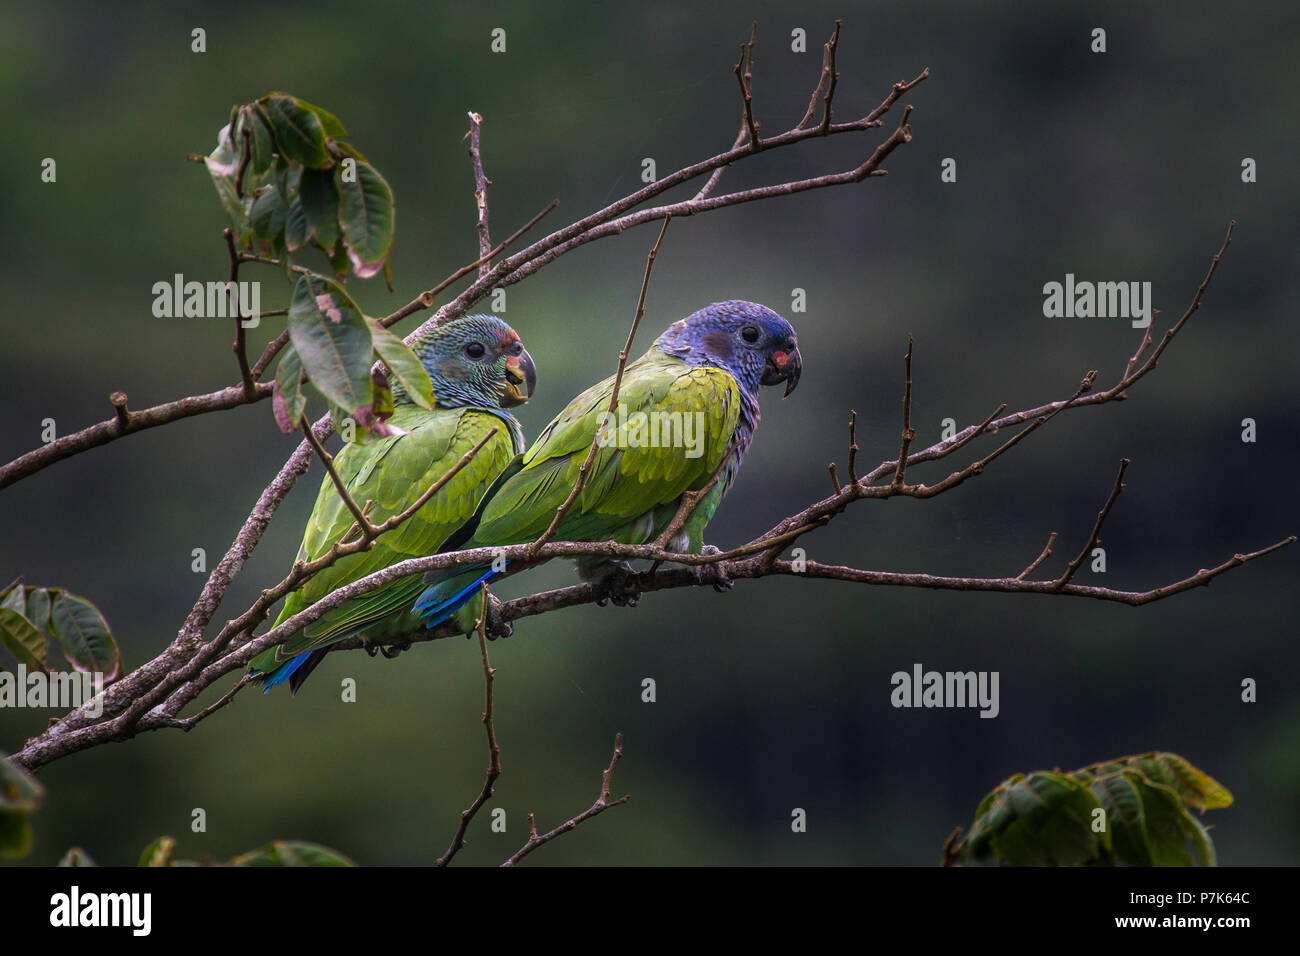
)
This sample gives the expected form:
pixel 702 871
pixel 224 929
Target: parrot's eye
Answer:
pixel 749 334
pixel 475 350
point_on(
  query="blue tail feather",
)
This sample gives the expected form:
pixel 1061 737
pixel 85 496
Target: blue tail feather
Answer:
pixel 283 672
pixel 435 607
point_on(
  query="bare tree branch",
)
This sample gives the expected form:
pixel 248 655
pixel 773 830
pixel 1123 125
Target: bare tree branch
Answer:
pixel 907 434
pixel 241 351
pixel 746 81
pixel 1082 556
pixel 481 183
pixel 603 803
pixel 1043 556
pixel 825 77
pixel 116 427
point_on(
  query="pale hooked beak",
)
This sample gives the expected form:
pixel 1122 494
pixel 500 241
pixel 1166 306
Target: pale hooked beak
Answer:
pixel 521 379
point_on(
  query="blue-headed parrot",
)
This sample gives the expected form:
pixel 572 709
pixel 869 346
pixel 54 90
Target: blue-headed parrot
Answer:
pixel 699 384
pixel 478 368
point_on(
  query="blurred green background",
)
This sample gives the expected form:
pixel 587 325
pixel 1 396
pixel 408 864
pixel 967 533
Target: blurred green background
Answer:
pixel 1122 166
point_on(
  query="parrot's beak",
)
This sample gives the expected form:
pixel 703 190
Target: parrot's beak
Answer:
pixel 783 367
pixel 521 379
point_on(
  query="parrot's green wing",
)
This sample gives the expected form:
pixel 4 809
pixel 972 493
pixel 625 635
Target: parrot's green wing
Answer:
pixel 392 473
pixel 628 488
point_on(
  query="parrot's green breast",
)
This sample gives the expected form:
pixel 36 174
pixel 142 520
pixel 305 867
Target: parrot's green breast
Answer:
pixel 391 474
pixel 633 479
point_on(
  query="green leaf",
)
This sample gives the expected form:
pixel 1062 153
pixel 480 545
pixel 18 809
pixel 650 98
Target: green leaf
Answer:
pixel 367 215
pixel 38 609
pixel 320 202
pixel 1200 837
pixel 1164 813
pixel 1121 796
pixel 76 856
pixel 298 131
pixel 1196 788
pixel 341 149
pixel 328 121
pixel 159 852
pixel 404 364
pixel 22 639
pixel 269 214
pixel 333 341
pixel 339 260
pixel 287 400
pixel 292 853
pixel 382 407
pixel 1052 825
pixel 1042 819
pixel 280 250
pixel 224 160
pixel 295 226
pixel 14 597
pixel 255 121
pixel 84 637
pixel 222 164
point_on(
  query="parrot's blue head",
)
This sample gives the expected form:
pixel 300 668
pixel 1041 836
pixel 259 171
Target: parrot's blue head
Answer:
pixel 477 360
pixel 749 340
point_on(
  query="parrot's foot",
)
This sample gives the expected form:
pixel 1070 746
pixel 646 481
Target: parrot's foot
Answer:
pixel 390 651
pixel 617 582
pixel 494 627
pixel 713 573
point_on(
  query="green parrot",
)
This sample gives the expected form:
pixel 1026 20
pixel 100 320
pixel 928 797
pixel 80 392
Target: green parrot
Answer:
pixel 478 368
pixel 687 408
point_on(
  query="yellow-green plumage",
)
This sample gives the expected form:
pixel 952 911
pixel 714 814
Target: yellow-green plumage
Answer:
pixel 624 483
pixel 393 473
pixel 699 381
pixel 476 366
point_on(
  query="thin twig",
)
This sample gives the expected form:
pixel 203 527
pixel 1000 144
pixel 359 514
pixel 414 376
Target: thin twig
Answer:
pixel 241 353
pixel 481 183
pixel 1033 565
pixel 820 88
pixel 907 434
pixel 494 751
pixel 603 803
pixel 561 511
pixel 746 81
pixel 339 485
pixel 425 300
pixel 853 445
pixel 188 723
pixel 1093 538
pixel 834 77
pixel 106 431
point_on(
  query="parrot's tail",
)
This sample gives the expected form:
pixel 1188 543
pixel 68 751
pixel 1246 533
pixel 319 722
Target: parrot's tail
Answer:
pixel 295 670
pixel 440 600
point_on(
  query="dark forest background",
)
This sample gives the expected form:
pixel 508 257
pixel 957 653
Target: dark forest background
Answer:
pixel 1120 166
